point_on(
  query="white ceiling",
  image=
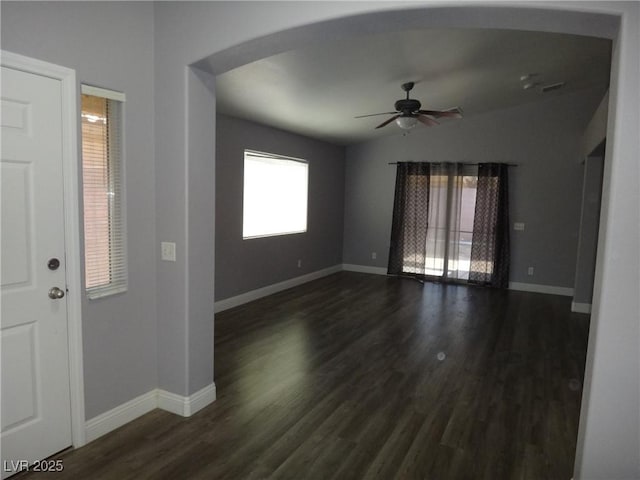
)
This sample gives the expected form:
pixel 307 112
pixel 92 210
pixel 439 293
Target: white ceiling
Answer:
pixel 318 91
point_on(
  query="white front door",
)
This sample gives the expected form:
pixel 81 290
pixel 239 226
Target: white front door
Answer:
pixel 35 396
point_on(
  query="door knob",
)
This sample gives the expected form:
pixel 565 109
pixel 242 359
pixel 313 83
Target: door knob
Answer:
pixel 55 293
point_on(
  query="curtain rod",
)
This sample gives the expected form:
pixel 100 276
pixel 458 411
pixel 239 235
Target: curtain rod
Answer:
pixel 454 163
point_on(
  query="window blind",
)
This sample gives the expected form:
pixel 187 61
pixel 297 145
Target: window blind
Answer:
pixel 102 172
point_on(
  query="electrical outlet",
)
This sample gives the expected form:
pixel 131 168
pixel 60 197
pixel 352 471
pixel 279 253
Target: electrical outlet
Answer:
pixel 530 271
pixel 374 255
pixel 299 263
pixel 519 226
pixel 168 251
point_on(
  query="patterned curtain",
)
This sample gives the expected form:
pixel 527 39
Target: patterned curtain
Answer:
pixel 490 244
pixel 407 253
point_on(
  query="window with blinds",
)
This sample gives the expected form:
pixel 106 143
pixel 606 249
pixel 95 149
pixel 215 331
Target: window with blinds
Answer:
pixel 104 226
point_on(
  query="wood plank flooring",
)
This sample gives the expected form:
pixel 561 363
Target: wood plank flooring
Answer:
pixel 361 376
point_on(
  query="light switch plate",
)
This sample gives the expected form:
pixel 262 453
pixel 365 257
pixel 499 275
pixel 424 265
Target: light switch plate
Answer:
pixel 168 251
pixel 519 226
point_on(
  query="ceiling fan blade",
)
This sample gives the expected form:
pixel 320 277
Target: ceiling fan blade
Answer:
pixel 387 122
pixel 429 122
pixel 451 113
pixel 375 114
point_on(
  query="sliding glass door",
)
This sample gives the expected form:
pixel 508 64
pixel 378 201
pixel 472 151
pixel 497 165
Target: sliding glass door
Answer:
pixel 452 199
pixel 450 222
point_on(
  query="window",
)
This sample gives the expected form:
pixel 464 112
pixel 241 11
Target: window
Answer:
pixel 275 195
pixel 104 227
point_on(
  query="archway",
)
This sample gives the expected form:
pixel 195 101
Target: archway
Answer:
pixel 617 428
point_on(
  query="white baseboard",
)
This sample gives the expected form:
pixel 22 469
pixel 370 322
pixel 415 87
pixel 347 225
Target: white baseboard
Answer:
pixel 186 406
pixel 535 288
pixel 578 307
pixel 122 414
pixel 247 297
pixel 156 398
pixel 525 287
pixel 349 267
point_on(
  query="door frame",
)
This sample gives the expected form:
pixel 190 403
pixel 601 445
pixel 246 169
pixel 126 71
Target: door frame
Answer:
pixel 67 78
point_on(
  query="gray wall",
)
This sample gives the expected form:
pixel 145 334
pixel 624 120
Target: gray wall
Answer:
pixel 244 265
pixel 545 188
pixel 200 233
pixel 589 225
pixel 593 147
pixel 109 45
pixel 608 444
pixel 172 206
pixel 596 130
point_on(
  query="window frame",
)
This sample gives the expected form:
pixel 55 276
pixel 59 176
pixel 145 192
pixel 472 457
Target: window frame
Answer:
pixel 116 216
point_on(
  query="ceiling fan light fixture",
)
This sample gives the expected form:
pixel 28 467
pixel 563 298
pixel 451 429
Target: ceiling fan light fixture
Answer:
pixel 408 113
pixel 406 123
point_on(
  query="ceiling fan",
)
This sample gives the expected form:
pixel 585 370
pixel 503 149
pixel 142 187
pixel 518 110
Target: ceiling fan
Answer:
pixel 408 112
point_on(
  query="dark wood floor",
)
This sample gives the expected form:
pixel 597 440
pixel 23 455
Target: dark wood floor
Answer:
pixel 362 376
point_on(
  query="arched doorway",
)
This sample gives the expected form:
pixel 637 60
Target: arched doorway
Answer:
pixel 596 412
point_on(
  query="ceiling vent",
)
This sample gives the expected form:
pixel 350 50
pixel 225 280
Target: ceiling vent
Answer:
pixel 553 86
